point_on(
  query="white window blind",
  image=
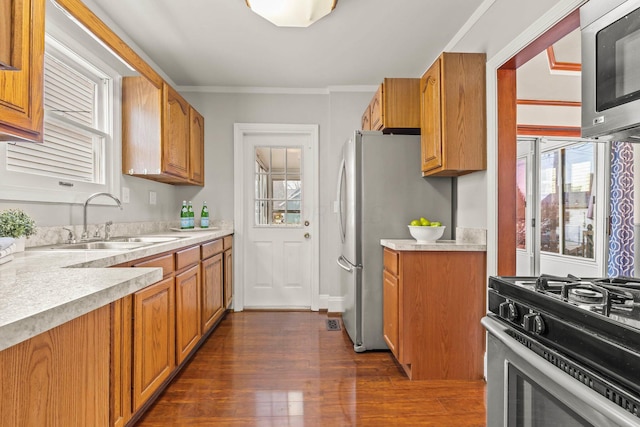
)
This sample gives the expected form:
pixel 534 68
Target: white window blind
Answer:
pixel 73 148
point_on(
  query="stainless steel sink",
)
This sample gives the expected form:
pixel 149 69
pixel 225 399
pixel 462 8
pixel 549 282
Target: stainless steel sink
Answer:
pixel 102 246
pixel 120 243
pixel 145 239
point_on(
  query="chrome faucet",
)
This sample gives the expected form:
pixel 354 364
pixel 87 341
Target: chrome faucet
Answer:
pixel 85 233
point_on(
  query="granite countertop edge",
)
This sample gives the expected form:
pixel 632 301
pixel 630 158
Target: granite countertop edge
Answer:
pixel 440 245
pixel 41 289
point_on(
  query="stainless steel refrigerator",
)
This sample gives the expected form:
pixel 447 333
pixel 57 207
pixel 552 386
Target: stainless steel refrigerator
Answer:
pixel 380 189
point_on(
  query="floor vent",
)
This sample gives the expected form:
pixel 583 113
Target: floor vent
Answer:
pixel 333 325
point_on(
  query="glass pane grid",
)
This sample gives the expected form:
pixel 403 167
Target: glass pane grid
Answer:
pixel 278 188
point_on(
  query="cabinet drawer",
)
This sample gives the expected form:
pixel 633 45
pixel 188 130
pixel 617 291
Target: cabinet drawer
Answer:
pixel 228 242
pixel 391 261
pixel 187 257
pixel 165 261
pixel 209 249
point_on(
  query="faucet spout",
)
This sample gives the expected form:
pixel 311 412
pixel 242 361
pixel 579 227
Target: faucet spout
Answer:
pixel 85 233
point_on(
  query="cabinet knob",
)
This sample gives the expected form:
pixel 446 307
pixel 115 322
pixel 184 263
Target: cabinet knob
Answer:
pixel 307 235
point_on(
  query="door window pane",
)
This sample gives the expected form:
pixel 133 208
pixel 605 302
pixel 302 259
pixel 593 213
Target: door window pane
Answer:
pixel 578 200
pixel 521 204
pixel 549 202
pixel 278 196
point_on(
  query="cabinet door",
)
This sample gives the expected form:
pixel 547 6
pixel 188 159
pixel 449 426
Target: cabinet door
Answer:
pixel 430 110
pixel 212 298
pixel 120 361
pixel 228 277
pixel 175 141
pixel 366 119
pixel 377 121
pixel 59 377
pixel 391 312
pixel 21 89
pixel 187 312
pixel 153 339
pixel 196 149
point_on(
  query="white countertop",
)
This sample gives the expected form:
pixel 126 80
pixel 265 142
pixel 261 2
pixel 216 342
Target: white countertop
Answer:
pixel 41 289
pixel 467 239
pixel 438 245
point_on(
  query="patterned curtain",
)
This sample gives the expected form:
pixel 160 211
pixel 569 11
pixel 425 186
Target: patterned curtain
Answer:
pixel 621 247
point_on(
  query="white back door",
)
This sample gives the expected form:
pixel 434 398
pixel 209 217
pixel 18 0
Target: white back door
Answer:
pixel 278 216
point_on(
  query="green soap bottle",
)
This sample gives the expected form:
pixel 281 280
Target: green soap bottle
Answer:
pixel 204 216
pixel 184 216
pixel 192 218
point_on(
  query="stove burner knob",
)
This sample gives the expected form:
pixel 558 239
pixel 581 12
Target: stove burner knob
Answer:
pixel 533 322
pixel 508 311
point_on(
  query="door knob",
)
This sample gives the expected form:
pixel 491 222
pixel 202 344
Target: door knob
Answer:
pixel 307 235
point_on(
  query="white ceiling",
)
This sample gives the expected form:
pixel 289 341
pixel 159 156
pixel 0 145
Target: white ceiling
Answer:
pixel 221 43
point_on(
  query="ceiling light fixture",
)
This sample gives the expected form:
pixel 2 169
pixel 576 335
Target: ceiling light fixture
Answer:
pixel 292 13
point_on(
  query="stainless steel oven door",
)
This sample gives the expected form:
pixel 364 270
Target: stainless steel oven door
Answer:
pixel 525 390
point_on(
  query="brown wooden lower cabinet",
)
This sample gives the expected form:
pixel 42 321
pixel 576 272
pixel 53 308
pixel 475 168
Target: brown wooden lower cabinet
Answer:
pixel 59 377
pixel 433 303
pixel 153 339
pixel 212 297
pixel 228 271
pixel 187 312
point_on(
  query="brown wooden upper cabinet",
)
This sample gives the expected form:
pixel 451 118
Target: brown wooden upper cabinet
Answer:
pixel 395 108
pixel 21 69
pixel 196 147
pixel 157 128
pixel 453 115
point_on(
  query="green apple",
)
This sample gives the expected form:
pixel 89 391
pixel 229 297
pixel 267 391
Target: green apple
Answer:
pixel 436 224
pixel 424 222
pixel 415 222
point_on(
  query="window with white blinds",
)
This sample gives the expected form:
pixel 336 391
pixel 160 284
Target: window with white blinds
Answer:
pixel 73 139
pixel 77 156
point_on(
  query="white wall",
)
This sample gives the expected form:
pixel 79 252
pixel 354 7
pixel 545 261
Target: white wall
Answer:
pixel 337 114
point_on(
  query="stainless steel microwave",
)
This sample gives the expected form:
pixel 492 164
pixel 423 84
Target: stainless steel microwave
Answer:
pixel 611 69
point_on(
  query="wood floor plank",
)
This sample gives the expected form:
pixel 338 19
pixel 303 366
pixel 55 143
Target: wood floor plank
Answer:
pixel 285 369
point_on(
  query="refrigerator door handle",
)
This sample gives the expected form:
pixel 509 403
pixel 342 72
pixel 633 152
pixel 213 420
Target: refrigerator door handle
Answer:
pixel 341 177
pixel 346 265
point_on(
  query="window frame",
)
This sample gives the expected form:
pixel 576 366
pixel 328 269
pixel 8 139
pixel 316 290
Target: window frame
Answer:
pixel 34 188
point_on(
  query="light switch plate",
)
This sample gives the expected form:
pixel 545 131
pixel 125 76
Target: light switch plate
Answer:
pixel 125 195
pixel 152 197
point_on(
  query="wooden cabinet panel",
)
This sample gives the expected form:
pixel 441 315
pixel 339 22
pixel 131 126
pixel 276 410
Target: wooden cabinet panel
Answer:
pixel 391 313
pixel 153 339
pixel 166 262
pixel 209 249
pixel 196 147
pixel 120 387
pixel 391 261
pixel 212 292
pixel 228 242
pixel 228 278
pixel 436 339
pixel 187 312
pixel 187 257
pixel 21 86
pixel 141 127
pixel 395 108
pixel 431 136
pixel 365 122
pixel 453 115
pixel 377 120
pixel 157 134
pixel 175 147
pixel 60 377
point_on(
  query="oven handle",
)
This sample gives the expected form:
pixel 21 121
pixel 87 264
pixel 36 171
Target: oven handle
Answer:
pixel 575 389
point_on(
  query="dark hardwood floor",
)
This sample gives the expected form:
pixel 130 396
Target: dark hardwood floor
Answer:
pixel 286 369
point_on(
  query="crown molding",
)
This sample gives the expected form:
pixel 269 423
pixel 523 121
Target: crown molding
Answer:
pixel 278 90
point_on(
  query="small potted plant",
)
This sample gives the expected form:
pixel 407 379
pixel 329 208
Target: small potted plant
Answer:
pixel 17 224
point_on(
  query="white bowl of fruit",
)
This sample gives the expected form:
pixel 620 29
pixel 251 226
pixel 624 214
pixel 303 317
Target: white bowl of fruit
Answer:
pixel 425 231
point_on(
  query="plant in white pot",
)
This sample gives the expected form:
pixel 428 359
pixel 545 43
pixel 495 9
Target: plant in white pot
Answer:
pixel 17 224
